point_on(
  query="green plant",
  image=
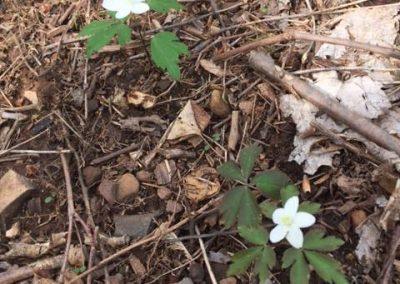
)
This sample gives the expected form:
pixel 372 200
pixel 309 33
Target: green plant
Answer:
pixel 240 207
pixel 165 46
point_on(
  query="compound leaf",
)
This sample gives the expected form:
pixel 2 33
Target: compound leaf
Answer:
pixel 271 182
pixel 163 6
pixel 256 234
pixel 266 261
pixel 243 259
pixel 231 171
pixel 95 27
pixel 309 207
pixel 165 51
pixel 247 159
pixel 267 208
pixel 288 191
pixel 314 240
pixel 326 267
pixel 299 272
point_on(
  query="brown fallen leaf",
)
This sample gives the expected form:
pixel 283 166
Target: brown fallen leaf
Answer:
pixel 128 186
pixel 201 184
pixel 305 184
pixel 75 256
pixel 14 231
pixel 358 217
pixel 391 213
pixel 190 122
pixel 212 68
pixel 137 266
pixel 31 96
pixel 165 171
pixel 137 99
pixel 218 105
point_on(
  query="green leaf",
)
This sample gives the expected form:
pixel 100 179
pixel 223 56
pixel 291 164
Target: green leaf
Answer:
pixel 326 267
pixel 231 171
pixel 266 261
pixel 101 33
pixel 267 208
pixel 163 6
pixel 299 273
pixel 95 27
pixel 288 191
pixel 165 51
pixel 243 259
pixel 247 159
pixel 48 199
pixel 240 204
pixel 314 240
pixel 309 207
pixel 256 235
pixel 271 182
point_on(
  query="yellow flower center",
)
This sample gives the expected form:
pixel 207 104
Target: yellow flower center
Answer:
pixel 287 220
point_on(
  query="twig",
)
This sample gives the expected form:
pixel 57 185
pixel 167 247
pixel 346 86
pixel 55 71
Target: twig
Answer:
pixel 265 64
pixel 112 155
pixel 234 132
pixel 206 260
pixel 385 276
pixel 295 35
pixel 71 212
pixel 151 237
pixel 19 274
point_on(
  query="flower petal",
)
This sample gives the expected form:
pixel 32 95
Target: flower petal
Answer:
pixel 140 8
pixel 295 237
pixel 112 5
pixel 122 13
pixel 292 205
pixel 277 215
pixel 304 220
pixel 278 233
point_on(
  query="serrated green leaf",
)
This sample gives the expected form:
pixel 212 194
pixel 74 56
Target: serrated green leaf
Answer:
pixel 256 235
pixel 266 261
pixel 243 259
pixel 101 33
pixel 326 267
pixel 267 208
pixel 271 182
pixel 95 27
pixel 309 207
pixel 163 6
pixel 240 204
pixel 299 272
pixel 247 159
pixel 165 51
pixel 314 240
pixel 231 170
pixel 288 191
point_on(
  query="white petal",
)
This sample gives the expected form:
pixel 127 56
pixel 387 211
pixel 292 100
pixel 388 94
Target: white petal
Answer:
pixel 140 8
pixel 277 215
pixel 278 233
pixel 304 220
pixel 122 13
pixel 111 5
pixel 292 205
pixel 295 237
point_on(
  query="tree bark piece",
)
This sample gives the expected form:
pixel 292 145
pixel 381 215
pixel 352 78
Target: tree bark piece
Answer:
pixel 265 64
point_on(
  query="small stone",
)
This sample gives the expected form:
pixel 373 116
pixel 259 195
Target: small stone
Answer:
pixel 185 280
pixel 135 226
pixel 91 175
pixel 14 231
pixel 229 280
pixel 108 190
pixel 137 266
pixel 164 193
pixel 218 105
pixel 144 176
pixel 75 256
pixel 128 186
pixel 196 272
pixel 173 206
pixel 117 279
pixel 358 217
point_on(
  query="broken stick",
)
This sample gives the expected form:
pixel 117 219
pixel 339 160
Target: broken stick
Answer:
pixel 265 64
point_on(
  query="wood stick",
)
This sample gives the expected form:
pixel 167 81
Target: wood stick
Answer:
pixel 112 155
pixel 265 64
pixel 293 35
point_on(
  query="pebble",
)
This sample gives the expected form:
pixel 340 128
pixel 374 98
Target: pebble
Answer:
pixel 128 186
pixel 91 175
pixel 173 206
pixel 164 193
pixel 107 189
pixel 144 176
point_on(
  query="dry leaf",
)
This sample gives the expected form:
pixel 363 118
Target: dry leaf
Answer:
pixel 391 214
pixel 366 250
pixel 218 105
pixel 75 256
pixel 191 122
pixel 164 171
pixel 212 68
pixel 14 231
pixel 201 183
pixel 137 266
pixel 31 96
pixel 141 99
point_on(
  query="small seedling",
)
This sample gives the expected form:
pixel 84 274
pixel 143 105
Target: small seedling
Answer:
pixel 240 207
pixel 165 47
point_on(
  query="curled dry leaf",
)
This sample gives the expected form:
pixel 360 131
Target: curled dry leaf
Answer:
pixel 201 183
pixel 137 98
pixel 75 256
pixel 14 231
pixel 212 68
pixel 218 105
pixel 190 122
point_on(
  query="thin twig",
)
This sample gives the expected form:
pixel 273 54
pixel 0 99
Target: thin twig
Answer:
pixel 206 260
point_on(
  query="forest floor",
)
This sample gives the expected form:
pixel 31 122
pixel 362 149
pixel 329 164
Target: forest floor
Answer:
pixel 103 169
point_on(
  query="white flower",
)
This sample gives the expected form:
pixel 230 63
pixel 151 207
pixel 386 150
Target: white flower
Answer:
pixel 289 222
pixel 125 7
